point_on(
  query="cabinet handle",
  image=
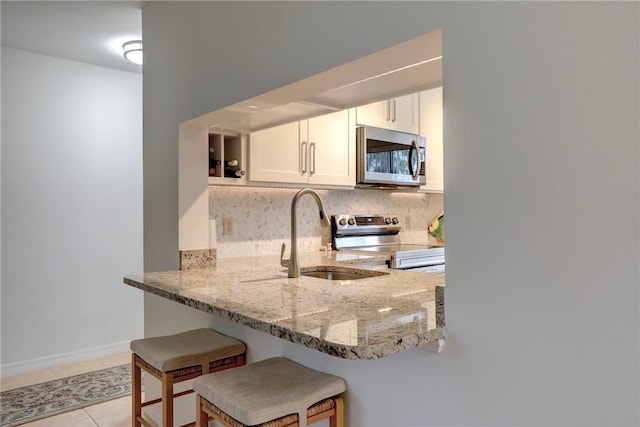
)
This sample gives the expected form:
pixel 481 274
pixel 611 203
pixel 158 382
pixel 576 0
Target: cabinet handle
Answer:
pixel 388 112
pixel 312 145
pixel 303 156
pixel 394 111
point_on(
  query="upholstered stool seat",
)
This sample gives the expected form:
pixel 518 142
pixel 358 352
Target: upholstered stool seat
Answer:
pixel 274 392
pixel 176 358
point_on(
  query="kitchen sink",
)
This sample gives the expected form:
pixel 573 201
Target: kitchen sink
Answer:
pixel 330 273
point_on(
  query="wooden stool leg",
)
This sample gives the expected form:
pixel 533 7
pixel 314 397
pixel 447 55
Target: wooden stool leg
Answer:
pixel 167 399
pixel 337 420
pixel 202 419
pixel 136 392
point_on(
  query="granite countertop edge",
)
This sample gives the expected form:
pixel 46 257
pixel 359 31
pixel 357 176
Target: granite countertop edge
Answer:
pixel 399 343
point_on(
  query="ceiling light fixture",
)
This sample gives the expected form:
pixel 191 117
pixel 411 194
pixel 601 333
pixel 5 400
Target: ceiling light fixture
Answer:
pixel 133 51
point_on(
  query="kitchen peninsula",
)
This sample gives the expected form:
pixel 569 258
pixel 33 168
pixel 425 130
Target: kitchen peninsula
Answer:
pixel 384 313
pixel 372 331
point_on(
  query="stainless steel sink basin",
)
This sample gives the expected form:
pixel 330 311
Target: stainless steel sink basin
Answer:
pixel 330 273
pixel 333 275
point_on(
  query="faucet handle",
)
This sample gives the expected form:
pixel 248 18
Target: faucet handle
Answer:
pixel 283 262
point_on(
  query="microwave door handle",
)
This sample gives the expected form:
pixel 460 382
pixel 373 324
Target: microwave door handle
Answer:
pixel 414 173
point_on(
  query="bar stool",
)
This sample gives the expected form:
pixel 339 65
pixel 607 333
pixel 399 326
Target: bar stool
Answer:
pixel 176 358
pixel 275 392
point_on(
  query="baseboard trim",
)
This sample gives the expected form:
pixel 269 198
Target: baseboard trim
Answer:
pixel 62 359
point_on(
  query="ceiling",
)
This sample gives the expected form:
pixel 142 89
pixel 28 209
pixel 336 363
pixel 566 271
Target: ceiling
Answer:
pixel 85 31
pixel 94 31
pixel 408 67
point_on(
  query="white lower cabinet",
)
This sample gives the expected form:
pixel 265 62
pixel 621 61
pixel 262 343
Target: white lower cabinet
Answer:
pixel 431 128
pixel 318 151
pixel 399 114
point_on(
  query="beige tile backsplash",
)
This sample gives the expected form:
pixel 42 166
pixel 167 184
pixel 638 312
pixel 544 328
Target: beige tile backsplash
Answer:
pixel 260 218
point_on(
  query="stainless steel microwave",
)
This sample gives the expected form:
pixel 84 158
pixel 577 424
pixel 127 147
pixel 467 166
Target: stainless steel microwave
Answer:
pixel 387 158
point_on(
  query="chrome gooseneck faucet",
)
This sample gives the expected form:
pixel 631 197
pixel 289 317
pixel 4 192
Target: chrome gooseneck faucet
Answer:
pixel 293 262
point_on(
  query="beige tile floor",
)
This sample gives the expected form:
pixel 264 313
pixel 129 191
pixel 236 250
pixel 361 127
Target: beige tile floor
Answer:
pixel 113 413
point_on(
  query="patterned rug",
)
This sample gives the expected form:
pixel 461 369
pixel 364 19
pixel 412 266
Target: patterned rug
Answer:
pixel 26 404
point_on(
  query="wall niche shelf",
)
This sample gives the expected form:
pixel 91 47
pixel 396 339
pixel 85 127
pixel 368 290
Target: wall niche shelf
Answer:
pixel 227 160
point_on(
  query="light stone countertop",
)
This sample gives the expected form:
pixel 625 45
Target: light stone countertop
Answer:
pixel 353 319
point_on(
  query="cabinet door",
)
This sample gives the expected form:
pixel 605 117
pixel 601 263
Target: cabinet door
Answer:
pixel 431 128
pixel 276 155
pixel 331 149
pixel 376 114
pixel 404 114
pixel 401 114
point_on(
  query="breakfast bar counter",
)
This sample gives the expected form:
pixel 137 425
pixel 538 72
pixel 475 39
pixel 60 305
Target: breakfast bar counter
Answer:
pixel 381 314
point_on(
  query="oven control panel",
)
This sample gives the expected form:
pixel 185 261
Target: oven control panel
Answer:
pixel 365 224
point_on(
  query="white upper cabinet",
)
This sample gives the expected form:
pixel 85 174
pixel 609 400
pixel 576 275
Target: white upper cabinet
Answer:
pixel 431 128
pixel 274 154
pixel 331 149
pixel 401 114
pixel 319 151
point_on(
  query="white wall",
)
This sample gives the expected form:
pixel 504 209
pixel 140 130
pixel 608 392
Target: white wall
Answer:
pixel 542 168
pixel 71 209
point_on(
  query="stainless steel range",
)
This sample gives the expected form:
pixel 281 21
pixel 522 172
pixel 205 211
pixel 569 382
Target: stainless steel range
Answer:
pixel 379 234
